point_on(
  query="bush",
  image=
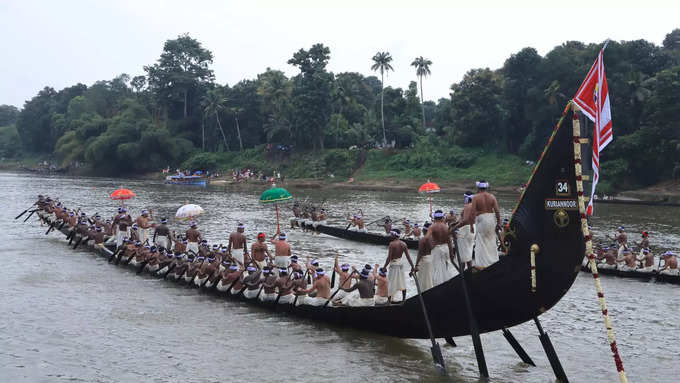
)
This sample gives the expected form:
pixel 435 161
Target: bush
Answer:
pixel 10 143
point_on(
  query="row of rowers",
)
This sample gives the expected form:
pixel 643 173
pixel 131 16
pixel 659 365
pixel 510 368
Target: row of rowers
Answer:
pixel 621 256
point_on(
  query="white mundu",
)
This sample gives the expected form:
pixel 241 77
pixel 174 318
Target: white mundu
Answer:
pixel 466 243
pixel 120 236
pixel 362 302
pixel 396 276
pixel 163 241
pixel 425 272
pixel 143 234
pixel 250 293
pixel 192 246
pixel 442 269
pixel 486 251
pixel 237 254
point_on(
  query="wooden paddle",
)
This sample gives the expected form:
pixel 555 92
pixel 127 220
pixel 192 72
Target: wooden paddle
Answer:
pixel 50 228
pixel 78 242
pixel 296 295
pixel 24 212
pixel 342 284
pixel 437 357
pixel 29 216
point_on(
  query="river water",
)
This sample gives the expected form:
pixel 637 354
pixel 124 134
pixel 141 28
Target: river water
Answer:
pixel 69 316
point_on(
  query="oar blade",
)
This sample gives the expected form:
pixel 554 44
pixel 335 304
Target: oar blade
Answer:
pixel 22 213
pixel 438 358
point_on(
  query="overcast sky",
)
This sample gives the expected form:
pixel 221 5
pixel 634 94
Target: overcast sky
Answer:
pixel 60 43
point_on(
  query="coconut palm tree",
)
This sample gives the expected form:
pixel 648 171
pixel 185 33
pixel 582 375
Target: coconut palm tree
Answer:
pixel 213 103
pixel 236 110
pixel 381 62
pixel 422 69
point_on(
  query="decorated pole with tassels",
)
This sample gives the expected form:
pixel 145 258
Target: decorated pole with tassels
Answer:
pixel 589 245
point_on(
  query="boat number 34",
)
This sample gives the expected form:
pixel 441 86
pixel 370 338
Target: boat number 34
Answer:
pixel 562 187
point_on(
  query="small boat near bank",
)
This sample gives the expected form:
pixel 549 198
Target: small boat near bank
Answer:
pixel 639 275
pixel 187 180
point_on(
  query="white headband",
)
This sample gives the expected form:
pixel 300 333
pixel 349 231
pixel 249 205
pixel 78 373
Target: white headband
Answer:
pixel 482 185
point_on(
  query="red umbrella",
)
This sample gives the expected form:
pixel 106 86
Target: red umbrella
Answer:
pixel 429 188
pixel 122 194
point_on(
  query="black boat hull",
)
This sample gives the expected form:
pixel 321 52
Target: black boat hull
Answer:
pixel 357 236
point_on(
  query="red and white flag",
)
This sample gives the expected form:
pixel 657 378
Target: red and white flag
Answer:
pixel 593 99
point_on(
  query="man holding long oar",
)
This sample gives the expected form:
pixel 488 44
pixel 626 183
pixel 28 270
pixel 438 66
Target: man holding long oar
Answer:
pixel 395 259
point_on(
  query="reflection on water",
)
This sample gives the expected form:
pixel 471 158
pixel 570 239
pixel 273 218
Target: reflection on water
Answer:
pixel 69 315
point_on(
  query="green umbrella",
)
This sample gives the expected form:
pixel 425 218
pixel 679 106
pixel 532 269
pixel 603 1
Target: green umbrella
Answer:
pixel 275 195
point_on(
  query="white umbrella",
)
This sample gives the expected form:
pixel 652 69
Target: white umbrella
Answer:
pixel 189 211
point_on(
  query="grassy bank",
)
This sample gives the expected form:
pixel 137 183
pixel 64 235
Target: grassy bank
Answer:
pixel 444 164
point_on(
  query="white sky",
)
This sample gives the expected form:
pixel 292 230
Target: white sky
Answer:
pixel 62 42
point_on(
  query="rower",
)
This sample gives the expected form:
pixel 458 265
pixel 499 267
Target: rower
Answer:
pixel 647 261
pixel 252 281
pixel 609 258
pixel 629 261
pixel 417 231
pixel 487 220
pixel 397 275
pixel 622 240
pixel 358 222
pixel 99 236
pixel 381 297
pixel 296 215
pixel 424 259
pixel 269 283
pixel 204 249
pixel 466 231
pixel 407 227
pixel 282 251
pixel 108 228
pixel 387 225
pixel 671 264
pixel 161 236
pixel 299 284
pixel 238 246
pixel 180 246
pixel 323 217
pixel 260 251
pixel 134 233
pixel 285 287
pixel 205 271
pixel 193 268
pixel 238 282
pixel 366 290
pixel 225 269
pixel 229 277
pixel 451 220
pixel 153 264
pixel 321 286
pixel 346 282
pixel 443 262
pixel 644 243
pixel 180 266
pixel 193 237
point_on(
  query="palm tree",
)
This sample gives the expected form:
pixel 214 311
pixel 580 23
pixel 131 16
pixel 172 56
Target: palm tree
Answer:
pixel 236 110
pixel 422 69
pixel 213 103
pixel 381 62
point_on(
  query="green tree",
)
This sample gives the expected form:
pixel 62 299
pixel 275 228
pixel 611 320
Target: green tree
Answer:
pixel 236 110
pixel 312 95
pixel 8 114
pixel 422 66
pixel 214 103
pixel 182 67
pixel 34 122
pixel 381 63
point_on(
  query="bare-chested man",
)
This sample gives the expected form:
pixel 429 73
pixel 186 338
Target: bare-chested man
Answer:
pixel 260 251
pixel 647 262
pixel 193 237
pixel 395 259
pixel 381 296
pixel 424 259
pixel 357 222
pixel 345 281
pixel 387 225
pixel 322 287
pixel 294 265
pixel 205 272
pixel 161 236
pixel 451 220
pixel 629 261
pixel 238 246
pixel 466 231
pixel 443 260
pixel 671 264
pixel 123 221
pixel 143 225
pixel 644 244
pixel 269 285
pixel 407 227
pixel 285 286
pixel 487 220
pixel 366 290
pixel 252 282
pixel 282 251
pixel 297 214
pixel 99 236
pixel 622 240
pixel 416 232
